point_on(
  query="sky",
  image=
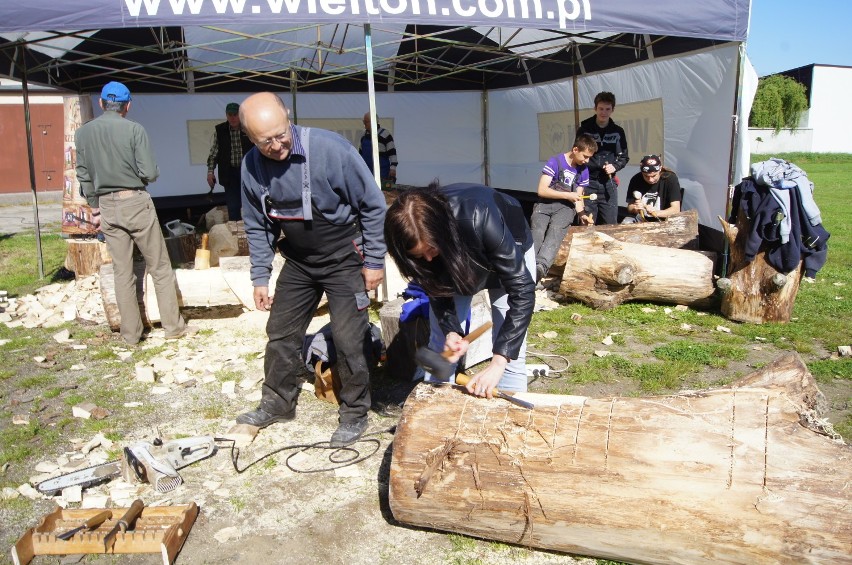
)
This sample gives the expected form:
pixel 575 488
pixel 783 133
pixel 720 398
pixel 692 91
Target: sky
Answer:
pixel 785 34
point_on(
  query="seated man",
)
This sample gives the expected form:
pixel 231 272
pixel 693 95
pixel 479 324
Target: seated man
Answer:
pixel 654 193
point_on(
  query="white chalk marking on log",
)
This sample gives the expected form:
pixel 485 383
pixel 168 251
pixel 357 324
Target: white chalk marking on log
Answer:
pixel 577 432
pixel 733 433
pixel 608 431
pixel 766 443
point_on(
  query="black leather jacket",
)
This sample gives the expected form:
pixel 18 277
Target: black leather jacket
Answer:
pixel 493 226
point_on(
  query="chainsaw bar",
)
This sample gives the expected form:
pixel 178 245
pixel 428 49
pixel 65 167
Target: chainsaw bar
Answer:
pixel 87 477
pixel 90 476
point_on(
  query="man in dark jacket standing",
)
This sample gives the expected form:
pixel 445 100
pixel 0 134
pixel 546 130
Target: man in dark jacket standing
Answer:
pixel 610 157
pixel 311 185
pixel 230 144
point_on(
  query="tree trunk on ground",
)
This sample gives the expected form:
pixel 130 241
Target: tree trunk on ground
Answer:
pixel 754 291
pixel 680 231
pixel 745 474
pixel 602 273
pixel 195 289
pixel 86 256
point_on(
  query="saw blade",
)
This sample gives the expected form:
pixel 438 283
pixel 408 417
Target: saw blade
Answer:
pixel 84 477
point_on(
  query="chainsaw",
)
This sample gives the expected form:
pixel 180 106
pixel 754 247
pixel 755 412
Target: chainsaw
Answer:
pixel 155 463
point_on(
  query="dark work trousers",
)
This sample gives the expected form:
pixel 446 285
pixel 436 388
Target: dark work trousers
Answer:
pixel 297 294
pixel 550 222
pixel 233 196
pixel 605 208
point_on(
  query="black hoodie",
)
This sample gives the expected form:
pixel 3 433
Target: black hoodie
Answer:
pixel 612 148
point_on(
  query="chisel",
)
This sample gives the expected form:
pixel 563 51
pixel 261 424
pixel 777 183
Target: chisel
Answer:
pixel 462 379
pixel 89 524
pixel 123 524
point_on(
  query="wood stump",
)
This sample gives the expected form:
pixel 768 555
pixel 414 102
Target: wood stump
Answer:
pixel 181 248
pixel 679 231
pixel 603 272
pixel 745 474
pixel 107 284
pixel 754 291
pixel 85 256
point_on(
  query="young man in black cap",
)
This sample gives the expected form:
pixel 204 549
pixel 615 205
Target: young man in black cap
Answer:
pixel 654 192
pixel 230 144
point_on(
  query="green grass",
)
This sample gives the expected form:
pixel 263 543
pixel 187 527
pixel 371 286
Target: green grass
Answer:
pixel 19 261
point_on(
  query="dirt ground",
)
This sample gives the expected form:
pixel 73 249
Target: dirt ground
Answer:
pixel 291 505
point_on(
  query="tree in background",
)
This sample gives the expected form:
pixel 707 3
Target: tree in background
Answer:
pixel 778 103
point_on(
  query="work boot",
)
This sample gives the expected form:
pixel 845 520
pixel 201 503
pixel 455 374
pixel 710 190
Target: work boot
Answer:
pixel 540 271
pixel 348 432
pixel 260 418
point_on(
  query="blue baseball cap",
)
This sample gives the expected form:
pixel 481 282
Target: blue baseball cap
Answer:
pixel 115 91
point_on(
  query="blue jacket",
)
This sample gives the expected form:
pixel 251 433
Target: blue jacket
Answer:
pixel 806 243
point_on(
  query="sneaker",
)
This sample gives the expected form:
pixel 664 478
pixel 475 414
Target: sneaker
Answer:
pixel 260 418
pixel 348 433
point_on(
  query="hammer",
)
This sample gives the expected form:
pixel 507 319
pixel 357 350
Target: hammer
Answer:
pixel 437 363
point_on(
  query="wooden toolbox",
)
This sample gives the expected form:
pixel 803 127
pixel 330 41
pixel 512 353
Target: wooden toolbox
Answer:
pixel 159 529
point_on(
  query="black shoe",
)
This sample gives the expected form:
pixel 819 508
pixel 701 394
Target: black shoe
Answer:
pixel 348 433
pixel 540 271
pixel 260 418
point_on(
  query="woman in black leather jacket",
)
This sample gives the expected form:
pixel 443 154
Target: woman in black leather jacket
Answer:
pixel 455 241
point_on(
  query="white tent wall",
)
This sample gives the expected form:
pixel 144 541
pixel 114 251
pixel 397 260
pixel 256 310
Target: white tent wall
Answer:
pixel 697 93
pixel 437 134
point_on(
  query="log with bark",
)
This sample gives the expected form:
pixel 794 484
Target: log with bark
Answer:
pixel 679 231
pixel 745 474
pixel 753 291
pixel 603 272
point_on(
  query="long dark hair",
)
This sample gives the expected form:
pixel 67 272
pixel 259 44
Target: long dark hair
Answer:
pixel 424 215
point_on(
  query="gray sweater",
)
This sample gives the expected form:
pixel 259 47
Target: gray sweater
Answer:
pixel 342 189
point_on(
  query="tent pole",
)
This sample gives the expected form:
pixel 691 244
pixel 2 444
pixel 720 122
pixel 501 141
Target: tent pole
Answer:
pixel 734 150
pixel 28 125
pixel 294 85
pixel 575 86
pixel 374 128
pixel 486 164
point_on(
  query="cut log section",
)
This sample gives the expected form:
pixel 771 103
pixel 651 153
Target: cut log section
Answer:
pixel 742 475
pixel 603 273
pixel 181 248
pixel 85 256
pixel 679 231
pixel 754 291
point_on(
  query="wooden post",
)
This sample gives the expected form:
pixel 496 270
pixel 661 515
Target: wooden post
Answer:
pixel 754 291
pixel 603 273
pixel 745 474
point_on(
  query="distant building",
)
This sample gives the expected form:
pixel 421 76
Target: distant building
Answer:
pixel 47 123
pixel 826 127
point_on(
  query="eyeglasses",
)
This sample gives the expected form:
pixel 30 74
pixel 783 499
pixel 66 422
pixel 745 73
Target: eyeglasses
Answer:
pixel 280 138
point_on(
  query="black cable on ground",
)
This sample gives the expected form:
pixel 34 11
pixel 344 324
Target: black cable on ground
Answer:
pixel 339 457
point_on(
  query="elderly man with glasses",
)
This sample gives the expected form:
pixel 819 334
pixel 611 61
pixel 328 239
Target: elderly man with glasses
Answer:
pixel 311 186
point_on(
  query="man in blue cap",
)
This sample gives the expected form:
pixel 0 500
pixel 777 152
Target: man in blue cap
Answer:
pixel 114 165
pixel 230 144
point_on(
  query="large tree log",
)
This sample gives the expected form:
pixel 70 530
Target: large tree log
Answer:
pixel 603 273
pixel 754 291
pixel 744 474
pixel 195 288
pixel 679 231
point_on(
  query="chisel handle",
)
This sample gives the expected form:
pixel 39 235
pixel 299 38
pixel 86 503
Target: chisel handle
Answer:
pixel 462 380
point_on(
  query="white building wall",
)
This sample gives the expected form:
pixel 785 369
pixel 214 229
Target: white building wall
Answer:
pixel 765 140
pixel 830 115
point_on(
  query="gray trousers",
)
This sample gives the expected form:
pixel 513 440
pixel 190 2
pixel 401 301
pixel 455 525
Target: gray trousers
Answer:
pixel 550 222
pixel 129 217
